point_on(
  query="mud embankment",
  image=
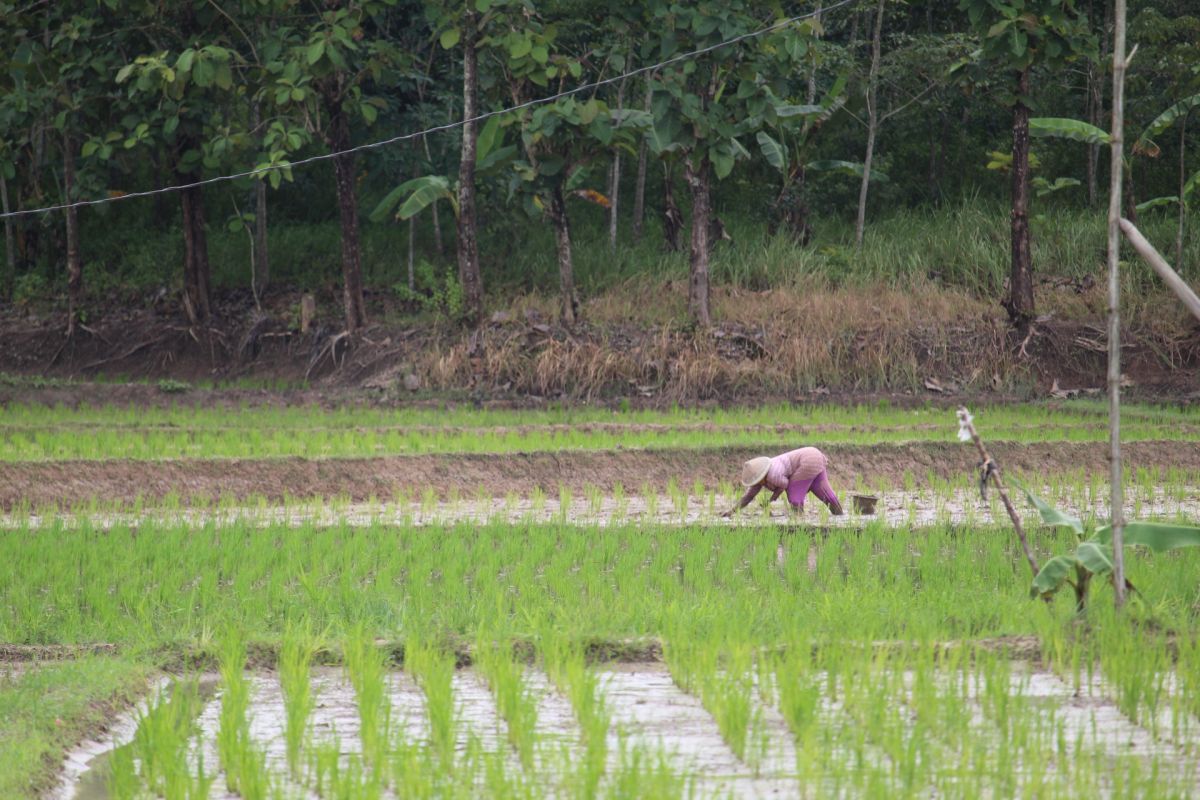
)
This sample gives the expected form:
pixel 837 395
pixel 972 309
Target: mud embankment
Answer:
pixel 68 483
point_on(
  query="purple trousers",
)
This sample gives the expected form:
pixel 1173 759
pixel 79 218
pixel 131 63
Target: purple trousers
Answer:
pixel 818 485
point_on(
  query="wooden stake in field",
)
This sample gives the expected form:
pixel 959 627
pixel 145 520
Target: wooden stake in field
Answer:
pixel 991 471
pixel 1116 139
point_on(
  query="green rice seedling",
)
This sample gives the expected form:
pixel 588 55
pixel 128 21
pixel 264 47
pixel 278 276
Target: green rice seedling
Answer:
pixel 233 731
pixel 501 783
pixel 414 772
pixel 433 670
pixel 537 500
pixel 295 681
pixel 680 501
pixel 429 502
pixel 595 499
pixel 642 775
pixel 620 503
pixel 244 763
pixel 367 667
pixel 160 745
pixel 1137 667
pixel 650 497
pixel 326 767
pixel 122 781
pixel 564 504
pixel 514 700
pixel 570 673
pixel 355 780
pixel 728 695
pixel 798 688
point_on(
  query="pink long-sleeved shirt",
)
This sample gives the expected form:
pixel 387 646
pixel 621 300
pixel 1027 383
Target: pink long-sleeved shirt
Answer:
pixel 795 465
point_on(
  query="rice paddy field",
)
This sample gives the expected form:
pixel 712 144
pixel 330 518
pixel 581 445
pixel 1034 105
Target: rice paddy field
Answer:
pixel 301 602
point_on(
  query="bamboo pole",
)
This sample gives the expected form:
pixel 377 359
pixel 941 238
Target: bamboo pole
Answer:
pixel 1116 171
pixel 1154 259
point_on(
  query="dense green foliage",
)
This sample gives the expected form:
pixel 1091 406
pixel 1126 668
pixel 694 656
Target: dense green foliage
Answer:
pixel 138 95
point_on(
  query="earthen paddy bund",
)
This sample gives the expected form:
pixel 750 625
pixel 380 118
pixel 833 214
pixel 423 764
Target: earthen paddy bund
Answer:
pixel 569 616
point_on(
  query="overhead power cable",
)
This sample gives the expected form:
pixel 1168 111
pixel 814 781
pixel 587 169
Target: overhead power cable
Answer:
pixel 257 171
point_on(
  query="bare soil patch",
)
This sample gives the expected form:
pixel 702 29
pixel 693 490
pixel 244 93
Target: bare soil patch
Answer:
pixel 69 483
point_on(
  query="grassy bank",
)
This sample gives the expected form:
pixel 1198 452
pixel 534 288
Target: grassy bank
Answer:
pixel 47 708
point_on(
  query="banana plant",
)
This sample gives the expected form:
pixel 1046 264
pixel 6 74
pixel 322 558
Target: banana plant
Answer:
pixel 1080 131
pixel 1092 557
pixel 786 142
pixel 414 196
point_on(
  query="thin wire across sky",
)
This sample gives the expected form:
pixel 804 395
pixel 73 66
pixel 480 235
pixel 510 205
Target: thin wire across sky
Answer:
pixel 260 171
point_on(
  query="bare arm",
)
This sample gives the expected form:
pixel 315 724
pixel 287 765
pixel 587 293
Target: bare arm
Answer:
pixel 750 494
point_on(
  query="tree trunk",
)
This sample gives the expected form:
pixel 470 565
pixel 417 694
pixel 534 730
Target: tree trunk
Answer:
pixel 353 304
pixel 74 261
pixel 566 269
pixel 468 245
pixel 1093 151
pixel 792 206
pixel 931 171
pixel 872 125
pixel 437 219
pixel 811 90
pixel 1183 209
pixel 1130 193
pixel 412 235
pixel 1097 89
pixel 614 182
pixel 10 243
pixel 639 196
pixel 196 300
pixel 700 184
pixel 1117 143
pixel 262 263
pixel 1092 115
pixel 1019 303
pixel 672 219
pixel 614 192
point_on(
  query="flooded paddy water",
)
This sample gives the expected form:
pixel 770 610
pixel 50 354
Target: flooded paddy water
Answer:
pixel 651 715
pixel 894 508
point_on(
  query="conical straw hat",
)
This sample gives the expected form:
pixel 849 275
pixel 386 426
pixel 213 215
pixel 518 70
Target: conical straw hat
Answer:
pixel 755 470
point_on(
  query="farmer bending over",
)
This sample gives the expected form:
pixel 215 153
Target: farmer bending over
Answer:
pixel 797 472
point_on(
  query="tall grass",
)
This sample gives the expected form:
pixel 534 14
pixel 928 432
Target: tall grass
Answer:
pixel 964 242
